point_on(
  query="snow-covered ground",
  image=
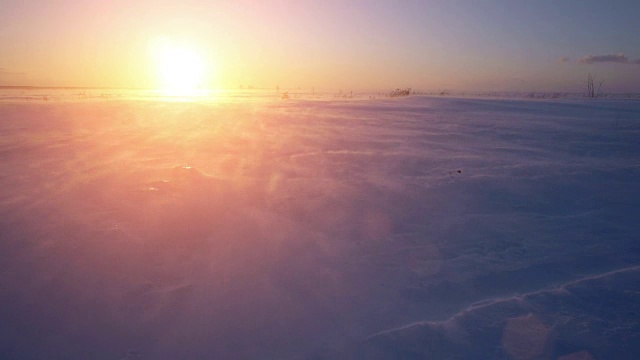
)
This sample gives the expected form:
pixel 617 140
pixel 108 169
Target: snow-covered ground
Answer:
pixel 132 227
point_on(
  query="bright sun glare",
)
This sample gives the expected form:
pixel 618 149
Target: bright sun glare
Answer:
pixel 181 69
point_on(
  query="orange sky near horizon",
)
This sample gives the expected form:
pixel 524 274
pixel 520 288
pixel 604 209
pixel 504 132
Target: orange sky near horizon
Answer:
pixel 358 45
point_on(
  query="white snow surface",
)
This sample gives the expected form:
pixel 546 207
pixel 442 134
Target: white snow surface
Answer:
pixel 319 228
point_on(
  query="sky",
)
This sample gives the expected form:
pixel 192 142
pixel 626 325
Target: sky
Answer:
pixel 510 45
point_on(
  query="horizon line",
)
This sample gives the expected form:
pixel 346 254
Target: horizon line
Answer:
pixel 287 89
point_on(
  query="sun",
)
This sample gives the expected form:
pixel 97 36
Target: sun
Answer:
pixel 180 69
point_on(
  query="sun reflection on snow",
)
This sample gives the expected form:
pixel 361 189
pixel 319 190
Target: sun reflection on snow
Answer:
pixel 182 95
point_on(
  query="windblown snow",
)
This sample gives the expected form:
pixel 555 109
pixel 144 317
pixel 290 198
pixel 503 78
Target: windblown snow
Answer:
pixel 369 228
